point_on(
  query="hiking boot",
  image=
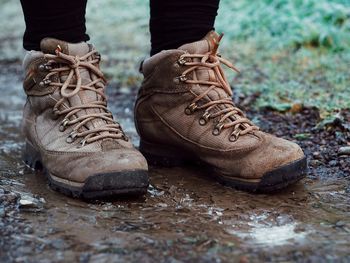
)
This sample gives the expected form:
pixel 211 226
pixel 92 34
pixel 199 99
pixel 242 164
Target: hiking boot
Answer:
pixel 184 113
pixel 68 128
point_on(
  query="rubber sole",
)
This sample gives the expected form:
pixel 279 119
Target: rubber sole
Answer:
pixel 98 186
pixel 270 182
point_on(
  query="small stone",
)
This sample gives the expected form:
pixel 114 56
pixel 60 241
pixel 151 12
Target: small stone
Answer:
pixel 162 205
pixel 25 202
pixel 28 230
pixel 344 150
pixel 340 224
pixel 28 202
pixel 316 155
pixel 333 163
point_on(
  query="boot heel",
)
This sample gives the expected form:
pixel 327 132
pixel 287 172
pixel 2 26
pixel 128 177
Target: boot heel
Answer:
pixel 159 155
pixel 31 157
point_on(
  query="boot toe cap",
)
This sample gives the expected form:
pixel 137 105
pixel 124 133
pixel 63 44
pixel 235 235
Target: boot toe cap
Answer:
pixel 78 168
pixel 277 153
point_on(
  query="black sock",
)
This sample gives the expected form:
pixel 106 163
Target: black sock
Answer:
pixel 177 22
pixel 172 23
pixel 64 19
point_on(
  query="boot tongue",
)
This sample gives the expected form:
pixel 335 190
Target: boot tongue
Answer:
pixel 209 43
pixel 49 45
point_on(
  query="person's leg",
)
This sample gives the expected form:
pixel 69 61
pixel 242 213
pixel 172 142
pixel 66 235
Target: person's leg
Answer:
pixel 64 20
pixel 174 23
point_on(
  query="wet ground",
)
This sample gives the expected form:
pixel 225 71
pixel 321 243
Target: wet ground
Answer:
pixel 186 216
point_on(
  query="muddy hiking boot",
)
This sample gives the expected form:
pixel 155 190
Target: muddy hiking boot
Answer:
pixel 69 130
pixel 184 113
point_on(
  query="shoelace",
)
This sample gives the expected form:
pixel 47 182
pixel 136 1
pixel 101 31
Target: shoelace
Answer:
pixel 72 65
pixel 241 125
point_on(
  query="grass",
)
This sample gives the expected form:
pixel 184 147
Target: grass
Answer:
pixel 290 52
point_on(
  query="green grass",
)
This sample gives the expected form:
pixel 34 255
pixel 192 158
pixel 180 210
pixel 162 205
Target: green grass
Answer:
pixel 290 51
pixel 285 23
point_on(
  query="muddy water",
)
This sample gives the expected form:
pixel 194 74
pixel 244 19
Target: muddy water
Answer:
pixel 185 217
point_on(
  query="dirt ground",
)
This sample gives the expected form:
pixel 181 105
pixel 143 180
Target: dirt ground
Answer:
pixel 185 216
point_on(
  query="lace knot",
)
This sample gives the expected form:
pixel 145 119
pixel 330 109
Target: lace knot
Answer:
pixel 76 63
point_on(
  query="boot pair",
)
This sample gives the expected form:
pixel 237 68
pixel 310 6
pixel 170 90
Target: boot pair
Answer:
pixel 184 113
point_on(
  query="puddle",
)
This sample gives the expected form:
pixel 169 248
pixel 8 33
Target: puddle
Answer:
pixel 264 232
pixel 184 217
pixel 275 235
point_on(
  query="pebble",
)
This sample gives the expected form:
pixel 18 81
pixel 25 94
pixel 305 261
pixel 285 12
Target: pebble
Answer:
pixel 340 224
pixel 333 163
pixel 316 155
pixel 30 202
pixel 344 150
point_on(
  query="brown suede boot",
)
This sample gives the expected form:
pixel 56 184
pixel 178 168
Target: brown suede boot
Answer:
pixel 69 130
pixel 184 113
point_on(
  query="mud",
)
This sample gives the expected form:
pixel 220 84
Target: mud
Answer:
pixel 185 216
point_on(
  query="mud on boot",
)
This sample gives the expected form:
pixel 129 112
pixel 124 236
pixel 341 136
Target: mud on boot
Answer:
pixel 184 113
pixel 69 130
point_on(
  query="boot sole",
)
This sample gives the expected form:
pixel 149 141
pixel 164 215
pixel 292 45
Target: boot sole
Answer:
pixel 270 182
pixel 103 185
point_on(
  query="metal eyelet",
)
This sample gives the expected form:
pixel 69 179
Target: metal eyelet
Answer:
pixel 183 78
pixel 71 137
pixel 188 111
pixel 179 79
pixel 44 82
pixel 41 67
pixel 82 143
pixel 181 61
pixel 44 67
pixel 216 132
pixel 204 119
pixel 217 129
pixel 58 49
pixel 63 125
pixel 47 67
pixel 234 136
pixel 191 108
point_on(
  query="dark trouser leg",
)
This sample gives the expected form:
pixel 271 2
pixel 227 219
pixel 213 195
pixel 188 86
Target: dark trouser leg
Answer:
pixel 176 22
pixel 64 20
